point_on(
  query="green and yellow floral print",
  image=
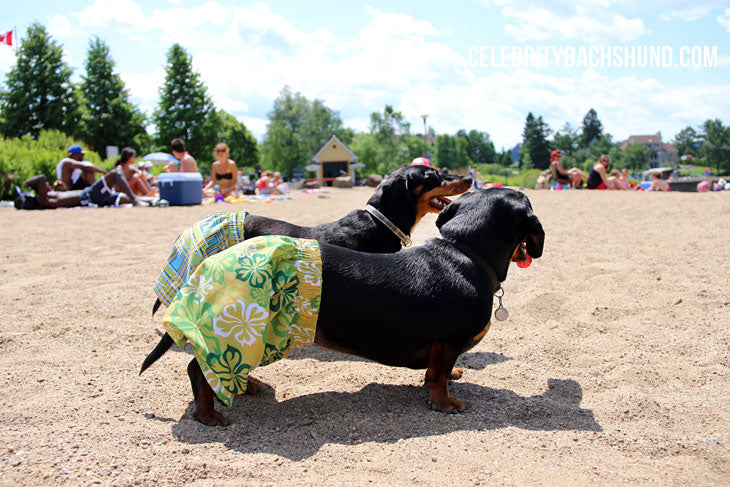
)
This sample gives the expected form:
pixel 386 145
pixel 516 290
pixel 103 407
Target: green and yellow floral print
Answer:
pixel 248 306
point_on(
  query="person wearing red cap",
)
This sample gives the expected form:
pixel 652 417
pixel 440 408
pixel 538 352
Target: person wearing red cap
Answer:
pixel 74 173
pixel 572 176
pixel 421 161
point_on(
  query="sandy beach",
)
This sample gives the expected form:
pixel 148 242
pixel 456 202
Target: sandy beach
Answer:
pixel 612 369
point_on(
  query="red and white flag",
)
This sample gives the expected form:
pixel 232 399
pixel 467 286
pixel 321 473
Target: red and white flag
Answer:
pixel 7 38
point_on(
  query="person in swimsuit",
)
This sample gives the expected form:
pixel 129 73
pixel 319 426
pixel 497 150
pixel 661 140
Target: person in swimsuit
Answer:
pixel 73 172
pixel 597 179
pixel 187 162
pixel 572 176
pixel 136 178
pixel 101 193
pixel 224 173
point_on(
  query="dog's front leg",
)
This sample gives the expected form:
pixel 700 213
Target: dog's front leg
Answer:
pixel 204 408
pixel 441 361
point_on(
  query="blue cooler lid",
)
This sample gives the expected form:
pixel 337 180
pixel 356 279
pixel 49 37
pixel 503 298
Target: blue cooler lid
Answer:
pixel 180 176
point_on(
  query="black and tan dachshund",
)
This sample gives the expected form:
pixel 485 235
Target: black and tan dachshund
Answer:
pixel 421 307
pixel 403 199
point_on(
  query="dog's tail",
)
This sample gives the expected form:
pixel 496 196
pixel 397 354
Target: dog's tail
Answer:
pixel 156 306
pixel 162 347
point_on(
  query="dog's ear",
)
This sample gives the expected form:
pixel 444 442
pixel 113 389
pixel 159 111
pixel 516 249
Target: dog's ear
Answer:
pixel 535 236
pixel 447 214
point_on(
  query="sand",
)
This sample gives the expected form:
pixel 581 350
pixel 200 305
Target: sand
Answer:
pixel 612 369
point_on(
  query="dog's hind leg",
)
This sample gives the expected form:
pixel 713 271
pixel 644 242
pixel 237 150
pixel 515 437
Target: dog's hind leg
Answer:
pixel 440 364
pixel 204 408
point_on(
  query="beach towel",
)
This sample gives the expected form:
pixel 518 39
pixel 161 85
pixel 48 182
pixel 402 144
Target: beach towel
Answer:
pixel 247 306
pixel 210 235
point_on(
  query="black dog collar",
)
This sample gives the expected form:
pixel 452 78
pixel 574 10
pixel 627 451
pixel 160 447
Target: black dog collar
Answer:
pixel 405 239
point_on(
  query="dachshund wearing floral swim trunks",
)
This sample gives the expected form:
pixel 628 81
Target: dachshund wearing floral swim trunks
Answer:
pixel 391 213
pixel 419 308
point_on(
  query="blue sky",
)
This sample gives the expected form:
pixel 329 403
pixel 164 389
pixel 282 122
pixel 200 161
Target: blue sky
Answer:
pixel 416 56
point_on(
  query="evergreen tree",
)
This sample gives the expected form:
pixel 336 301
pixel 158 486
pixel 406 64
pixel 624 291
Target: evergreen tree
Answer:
pixel 535 143
pixel 687 142
pixel 716 145
pixel 566 140
pixel 592 128
pixel 185 110
pixel 109 118
pixel 39 92
pixel 244 149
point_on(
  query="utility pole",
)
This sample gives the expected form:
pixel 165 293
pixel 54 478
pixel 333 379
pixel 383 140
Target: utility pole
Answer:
pixel 425 144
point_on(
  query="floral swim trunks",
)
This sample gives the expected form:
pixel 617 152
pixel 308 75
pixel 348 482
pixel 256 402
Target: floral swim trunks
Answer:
pixel 246 306
pixel 208 236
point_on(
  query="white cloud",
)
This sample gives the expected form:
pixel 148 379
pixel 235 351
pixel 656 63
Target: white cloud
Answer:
pixel 724 19
pixel 687 11
pixel 60 26
pixel 596 24
pixel 255 125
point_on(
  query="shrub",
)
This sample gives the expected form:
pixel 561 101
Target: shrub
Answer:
pixel 21 158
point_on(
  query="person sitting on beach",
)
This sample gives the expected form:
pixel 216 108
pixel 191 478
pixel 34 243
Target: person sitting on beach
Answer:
pixel 101 193
pixel 658 184
pixel 136 178
pixel 262 185
pixel 187 162
pixel 225 173
pixel 624 178
pixel 572 176
pixel 597 179
pixel 73 172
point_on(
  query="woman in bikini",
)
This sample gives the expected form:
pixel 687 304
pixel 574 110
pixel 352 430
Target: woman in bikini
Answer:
pixel 136 178
pixel 224 173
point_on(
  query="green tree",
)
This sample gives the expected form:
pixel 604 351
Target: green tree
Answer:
pixel 687 142
pixel 566 140
pixel 535 143
pixel 39 92
pixel 480 148
pixel 716 145
pixel 297 130
pixel 185 109
pixel 592 128
pixel 635 156
pixel 109 118
pixel 243 145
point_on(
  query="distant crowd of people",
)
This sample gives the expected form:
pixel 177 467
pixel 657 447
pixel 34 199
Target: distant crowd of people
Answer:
pixel 132 183
pixel 599 176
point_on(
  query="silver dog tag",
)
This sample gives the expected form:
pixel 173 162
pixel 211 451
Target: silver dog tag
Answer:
pixel 501 313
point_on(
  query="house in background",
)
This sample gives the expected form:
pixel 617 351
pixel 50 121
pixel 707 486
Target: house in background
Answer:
pixel 332 158
pixel 660 153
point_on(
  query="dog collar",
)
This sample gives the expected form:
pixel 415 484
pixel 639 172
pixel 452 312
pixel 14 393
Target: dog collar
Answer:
pixel 477 260
pixel 405 239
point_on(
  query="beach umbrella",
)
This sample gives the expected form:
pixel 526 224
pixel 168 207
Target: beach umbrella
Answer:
pixel 160 158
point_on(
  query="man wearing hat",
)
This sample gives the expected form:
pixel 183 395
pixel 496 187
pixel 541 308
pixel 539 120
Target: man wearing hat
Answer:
pixel 73 172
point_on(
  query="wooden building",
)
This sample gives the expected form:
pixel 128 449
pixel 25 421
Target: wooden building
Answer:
pixel 333 158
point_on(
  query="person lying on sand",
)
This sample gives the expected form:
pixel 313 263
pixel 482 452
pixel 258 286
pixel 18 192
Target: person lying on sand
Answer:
pixel 101 193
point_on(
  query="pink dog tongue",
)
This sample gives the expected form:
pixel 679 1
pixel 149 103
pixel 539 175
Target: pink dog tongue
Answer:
pixel 524 264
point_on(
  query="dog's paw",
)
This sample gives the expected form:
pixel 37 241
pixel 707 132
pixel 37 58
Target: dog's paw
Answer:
pixel 449 405
pixel 213 419
pixel 456 373
pixel 254 386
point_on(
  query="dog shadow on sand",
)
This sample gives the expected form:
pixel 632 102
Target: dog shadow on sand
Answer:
pixel 297 428
pixel 471 360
